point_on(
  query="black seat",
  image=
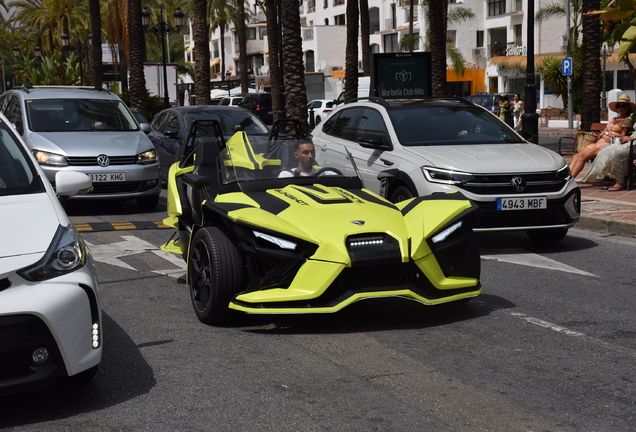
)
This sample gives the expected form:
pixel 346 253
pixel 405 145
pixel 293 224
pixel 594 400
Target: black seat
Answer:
pixel 205 164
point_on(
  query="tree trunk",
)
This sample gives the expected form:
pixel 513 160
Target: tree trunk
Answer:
pixel 364 37
pixel 242 35
pixel 222 39
pixel 591 84
pixel 351 51
pixel 437 11
pixel 137 80
pixel 202 64
pixel 411 12
pixel 272 47
pixel 294 66
pixel 96 44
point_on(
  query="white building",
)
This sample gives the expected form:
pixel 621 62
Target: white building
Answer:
pixel 494 40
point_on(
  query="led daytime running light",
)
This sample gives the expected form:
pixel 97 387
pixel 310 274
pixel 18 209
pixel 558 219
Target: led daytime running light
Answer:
pixel 281 243
pixel 446 233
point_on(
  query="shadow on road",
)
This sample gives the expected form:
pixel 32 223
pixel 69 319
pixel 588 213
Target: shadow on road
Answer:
pixel 123 375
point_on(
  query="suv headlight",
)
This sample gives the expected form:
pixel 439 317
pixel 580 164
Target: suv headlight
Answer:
pixel 51 159
pixel 66 253
pixel 564 173
pixel 147 157
pixel 437 175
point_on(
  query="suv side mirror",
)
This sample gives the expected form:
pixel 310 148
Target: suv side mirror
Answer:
pixel 145 127
pixel 373 141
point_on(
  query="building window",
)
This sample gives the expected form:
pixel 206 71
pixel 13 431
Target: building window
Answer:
pixel 251 32
pixel 416 44
pixel 480 38
pixel 339 20
pixel 326 4
pixel 338 2
pixel 390 42
pixel 518 34
pixel 451 37
pixel 496 7
pixel 624 81
pixel 262 32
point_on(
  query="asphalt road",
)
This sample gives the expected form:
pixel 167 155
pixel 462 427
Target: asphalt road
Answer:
pixel 549 346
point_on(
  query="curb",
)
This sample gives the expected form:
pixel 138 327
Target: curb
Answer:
pixel 609 226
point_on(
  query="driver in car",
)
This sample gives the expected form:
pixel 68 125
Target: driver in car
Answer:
pixel 305 153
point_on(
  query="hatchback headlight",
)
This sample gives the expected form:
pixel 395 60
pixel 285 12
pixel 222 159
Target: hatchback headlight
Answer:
pixel 66 253
pixel 564 173
pixel 51 159
pixel 147 157
pixel 437 175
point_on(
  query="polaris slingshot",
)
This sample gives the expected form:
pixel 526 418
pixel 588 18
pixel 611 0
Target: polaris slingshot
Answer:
pixel 258 242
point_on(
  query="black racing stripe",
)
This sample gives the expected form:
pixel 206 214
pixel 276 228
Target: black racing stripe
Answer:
pixel 269 202
pixel 319 192
pixel 225 208
pixel 371 198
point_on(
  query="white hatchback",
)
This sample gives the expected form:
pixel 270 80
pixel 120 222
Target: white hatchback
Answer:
pixel 414 148
pixel 50 315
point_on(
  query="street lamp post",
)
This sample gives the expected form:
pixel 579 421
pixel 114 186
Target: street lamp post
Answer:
pixel 227 78
pixel 606 51
pixel 79 47
pixel 162 28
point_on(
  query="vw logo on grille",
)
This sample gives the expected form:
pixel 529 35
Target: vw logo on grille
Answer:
pixel 357 222
pixel 102 160
pixel 518 183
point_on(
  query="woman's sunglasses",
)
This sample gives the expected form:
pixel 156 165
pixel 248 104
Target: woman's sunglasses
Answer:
pixel 618 106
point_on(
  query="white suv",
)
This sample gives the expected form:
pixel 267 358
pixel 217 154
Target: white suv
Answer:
pixel 89 130
pixel 411 148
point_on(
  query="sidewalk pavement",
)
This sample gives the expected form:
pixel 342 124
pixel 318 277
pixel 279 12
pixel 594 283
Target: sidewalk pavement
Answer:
pixel 601 210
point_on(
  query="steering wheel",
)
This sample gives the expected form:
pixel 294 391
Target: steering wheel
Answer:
pixel 327 169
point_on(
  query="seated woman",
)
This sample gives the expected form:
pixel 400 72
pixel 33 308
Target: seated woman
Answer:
pixel 618 127
pixel 611 162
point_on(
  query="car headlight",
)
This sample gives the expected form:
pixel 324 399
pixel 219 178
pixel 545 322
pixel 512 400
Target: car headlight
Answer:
pixel 66 253
pixel 281 243
pixel 147 157
pixel 564 173
pixel 52 159
pixel 437 175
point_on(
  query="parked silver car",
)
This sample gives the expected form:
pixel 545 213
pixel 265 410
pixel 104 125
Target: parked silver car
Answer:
pixel 89 130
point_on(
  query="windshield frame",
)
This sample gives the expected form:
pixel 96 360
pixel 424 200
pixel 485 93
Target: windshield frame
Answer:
pixel 12 149
pixel 228 121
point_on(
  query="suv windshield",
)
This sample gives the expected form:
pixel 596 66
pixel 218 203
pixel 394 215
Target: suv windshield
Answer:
pixel 452 124
pixel 72 115
pixel 16 170
pixel 231 121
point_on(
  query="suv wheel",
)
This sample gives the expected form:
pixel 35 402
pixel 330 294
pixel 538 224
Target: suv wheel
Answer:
pixel 402 193
pixel 548 235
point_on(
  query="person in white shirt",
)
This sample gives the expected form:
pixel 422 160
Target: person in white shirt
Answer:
pixel 305 153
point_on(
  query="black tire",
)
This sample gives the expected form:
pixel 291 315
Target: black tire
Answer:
pixel 317 120
pixel 548 235
pixel 402 193
pixel 148 202
pixel 215 275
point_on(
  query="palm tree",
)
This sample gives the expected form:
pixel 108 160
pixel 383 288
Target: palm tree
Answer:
pixel 351 51
pixel 200 35
pixel 242 36
pixel 364 37
pixel 271 14
pixel 96 44
pixel 294 67
pixel 437 12
pixel 591 88
pixel 137 79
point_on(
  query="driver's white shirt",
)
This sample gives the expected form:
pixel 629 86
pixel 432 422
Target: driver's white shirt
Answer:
pixel 292 172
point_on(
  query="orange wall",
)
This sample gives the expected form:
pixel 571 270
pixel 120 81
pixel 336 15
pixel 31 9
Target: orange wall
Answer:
pixel 475 76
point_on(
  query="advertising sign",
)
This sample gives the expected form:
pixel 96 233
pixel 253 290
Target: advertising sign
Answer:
pixel 401 75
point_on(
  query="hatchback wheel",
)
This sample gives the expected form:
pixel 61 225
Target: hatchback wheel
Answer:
pixel 148 202
pixel 214 275
pixel 401 194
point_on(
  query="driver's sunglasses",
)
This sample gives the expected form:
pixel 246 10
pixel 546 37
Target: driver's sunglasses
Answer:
pixel 619 106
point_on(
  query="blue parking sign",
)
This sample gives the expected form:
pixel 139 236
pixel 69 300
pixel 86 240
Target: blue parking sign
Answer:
pixel 566 66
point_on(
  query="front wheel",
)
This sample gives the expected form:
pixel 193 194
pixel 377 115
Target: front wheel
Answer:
pixel 214 275
pixel 401 194
pixel 547 235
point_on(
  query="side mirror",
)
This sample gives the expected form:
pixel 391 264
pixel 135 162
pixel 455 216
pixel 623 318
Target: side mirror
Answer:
pixel 373 141
pixel 145 128
pixel 71 183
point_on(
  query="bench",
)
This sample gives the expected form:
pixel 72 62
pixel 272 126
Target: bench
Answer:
pixel 549 113
pixel 595 128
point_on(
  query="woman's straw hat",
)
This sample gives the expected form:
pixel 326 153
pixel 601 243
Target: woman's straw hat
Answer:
pixel 623 99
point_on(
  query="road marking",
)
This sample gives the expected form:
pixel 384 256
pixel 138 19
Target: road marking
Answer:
pixel 118 226
pixel 520 257
pixel 555 327
pixel 110 254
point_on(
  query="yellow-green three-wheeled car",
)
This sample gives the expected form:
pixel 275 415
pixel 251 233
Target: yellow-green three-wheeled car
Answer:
pixel 260 236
